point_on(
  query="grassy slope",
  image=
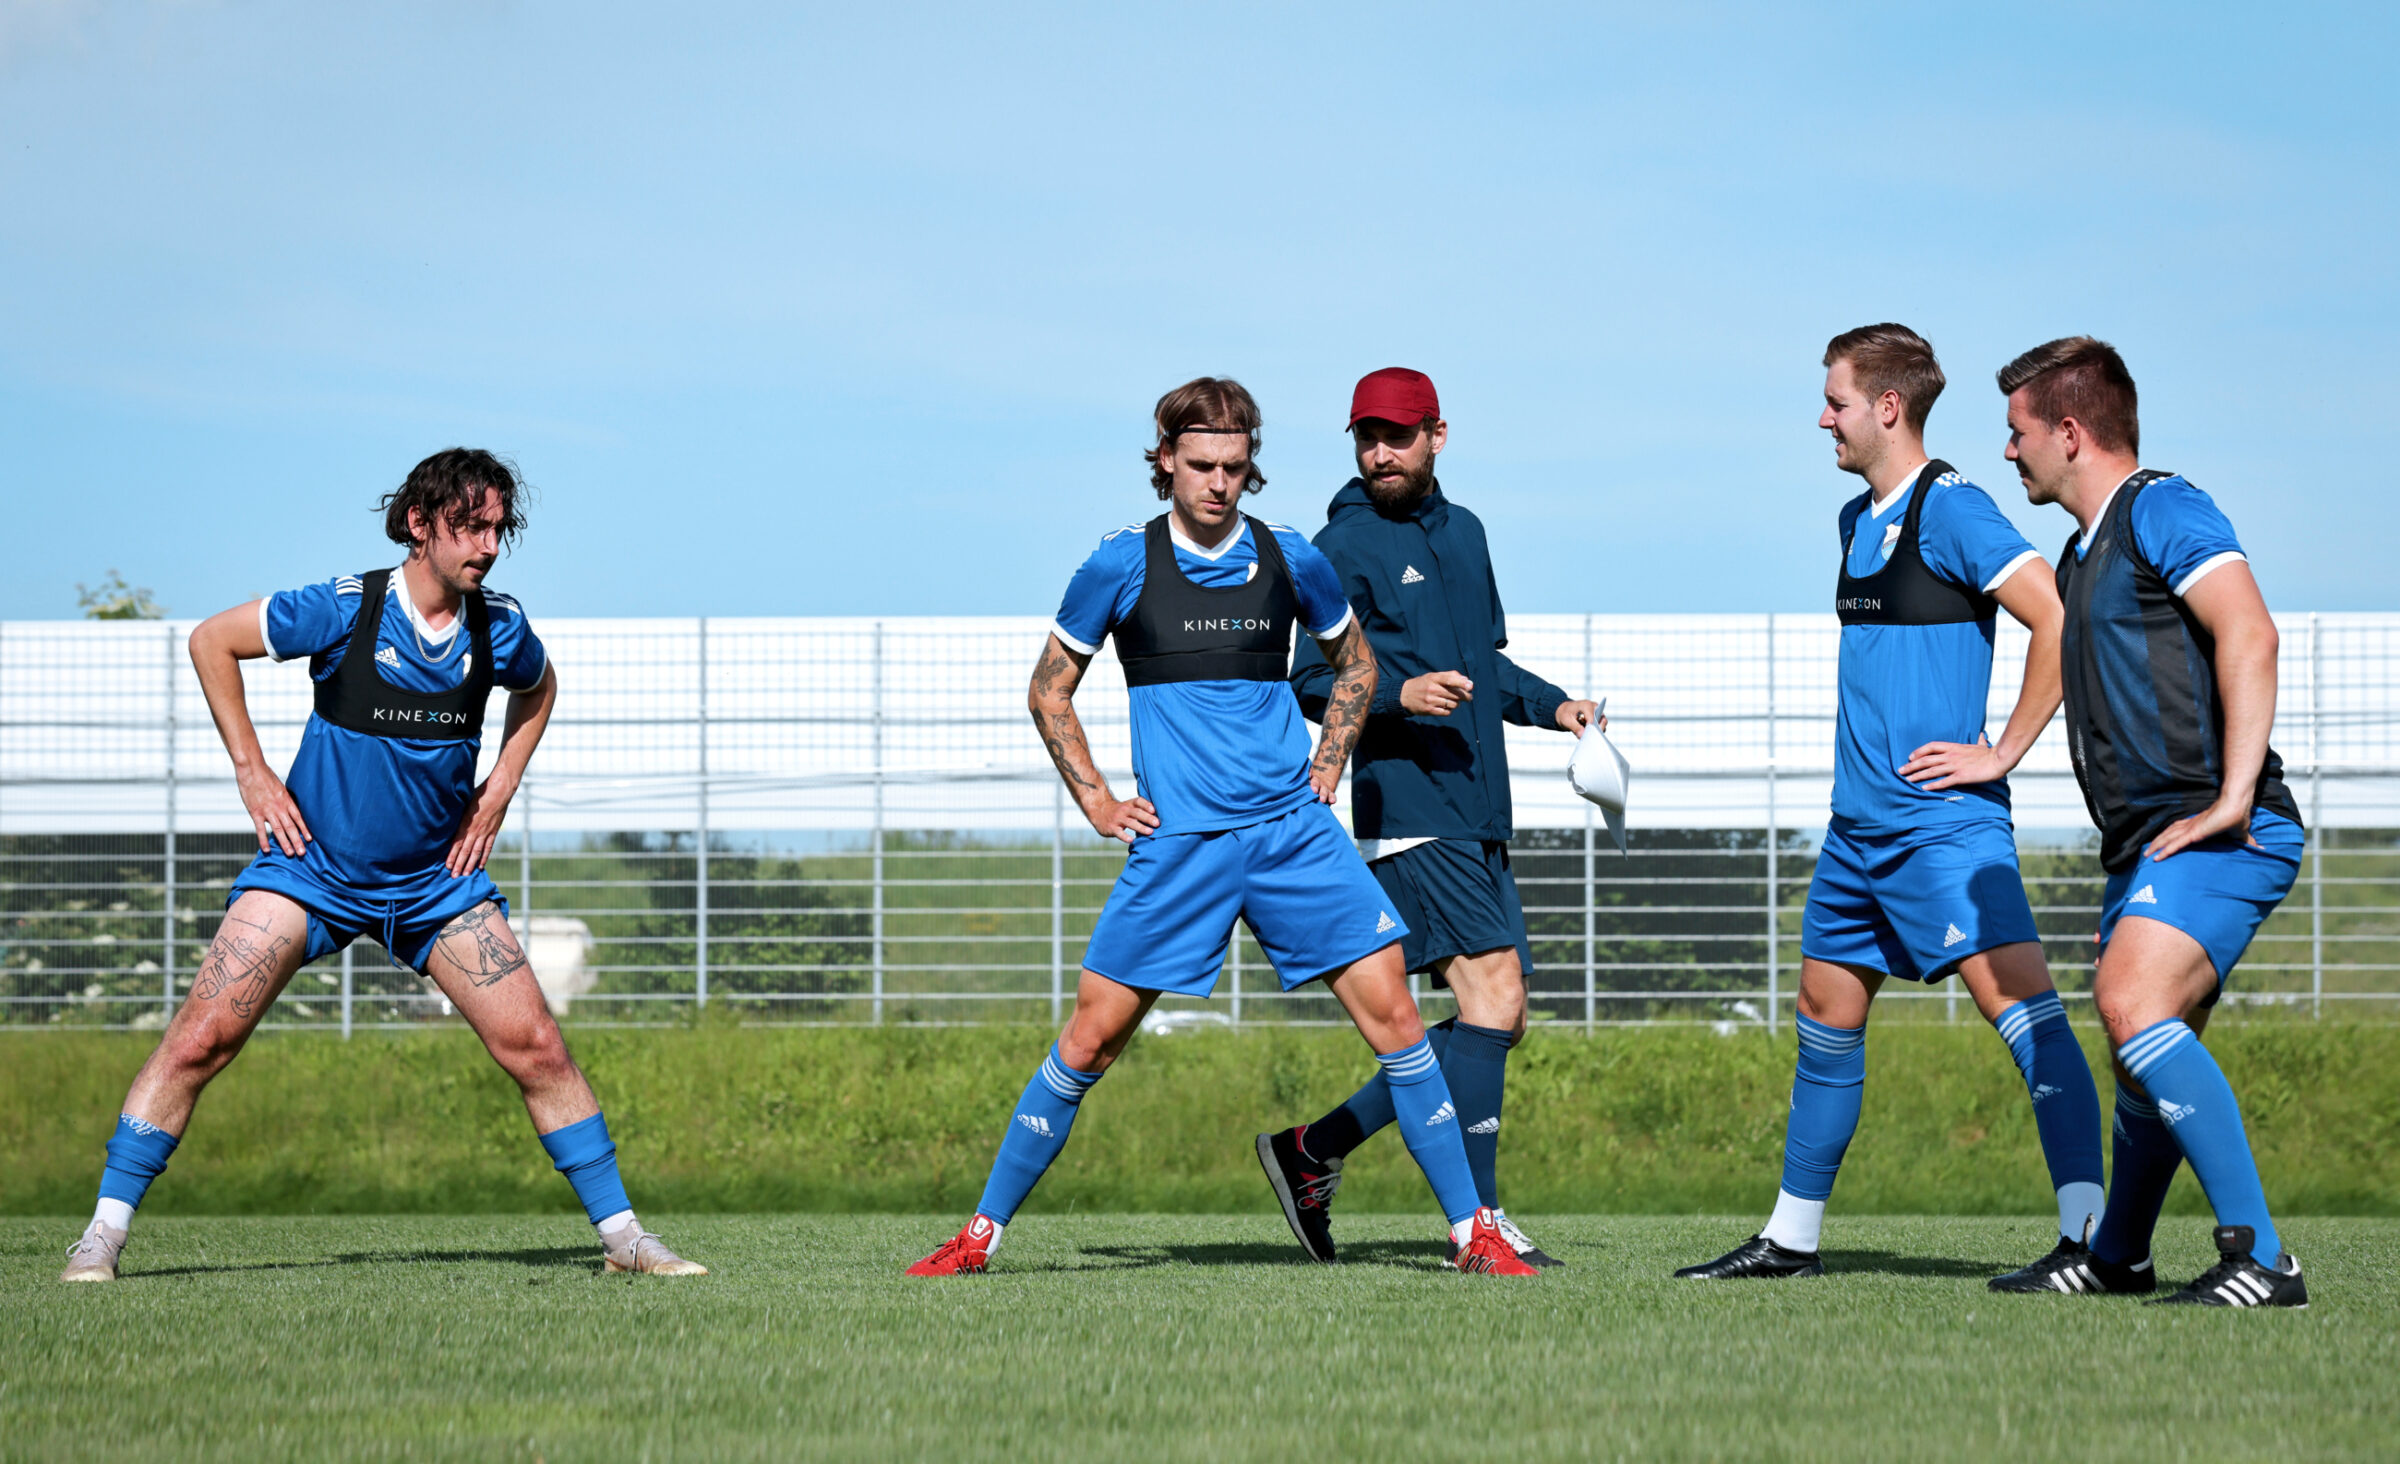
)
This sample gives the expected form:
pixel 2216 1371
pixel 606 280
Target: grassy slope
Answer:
pixel 1655 1121
pixel 1160 1337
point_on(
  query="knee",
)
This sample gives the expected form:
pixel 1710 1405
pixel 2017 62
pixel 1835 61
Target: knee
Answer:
pixel 199 1049
pixel 536 1057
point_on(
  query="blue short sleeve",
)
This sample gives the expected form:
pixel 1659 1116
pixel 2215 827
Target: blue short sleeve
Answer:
pixel 311 619
pixel 1324 609
pixel 519 659
pixel 2182 532
pixel 1964 537
pixel 1098 596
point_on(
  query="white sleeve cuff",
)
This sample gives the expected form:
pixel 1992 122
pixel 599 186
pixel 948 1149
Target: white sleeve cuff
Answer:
pixel 264 638
pixel 1072 644
pixel 1996 581
pixel 2208 567
pixel 1339 626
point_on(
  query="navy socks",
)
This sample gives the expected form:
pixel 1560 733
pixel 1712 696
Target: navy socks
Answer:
pixel 2146 1158
pixel 1474 1062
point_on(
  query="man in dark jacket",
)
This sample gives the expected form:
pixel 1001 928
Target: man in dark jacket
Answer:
pixel 1429 785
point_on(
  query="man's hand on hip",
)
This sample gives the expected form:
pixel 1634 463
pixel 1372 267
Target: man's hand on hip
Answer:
pixel 1435 694
pixel 1127 819
pixel 273 813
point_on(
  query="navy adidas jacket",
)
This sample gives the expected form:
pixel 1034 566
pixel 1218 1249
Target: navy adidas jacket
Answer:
pixel 1422 587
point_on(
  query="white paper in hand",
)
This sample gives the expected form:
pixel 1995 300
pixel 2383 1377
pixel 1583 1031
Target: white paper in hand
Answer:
pixel 1600 773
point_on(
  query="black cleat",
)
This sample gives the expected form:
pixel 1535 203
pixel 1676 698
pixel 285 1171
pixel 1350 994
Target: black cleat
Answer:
pixel 1757 1256
pixel 1304 1187
pixel 2073 1268
pixel 2237 1280
pixel 1522 1244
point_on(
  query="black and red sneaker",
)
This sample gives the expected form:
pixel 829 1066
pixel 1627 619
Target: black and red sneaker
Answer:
pixel 1304 1187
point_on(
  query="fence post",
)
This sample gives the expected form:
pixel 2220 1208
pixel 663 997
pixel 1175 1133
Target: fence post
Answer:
pixel 1233 948
pixel 2316 822
pixel 166 975
pixel 1058 898
pixel 346 991
pixel 523 806
pixel 700 844
pixel 1591 896
pixel 1774 933
pixel 875 722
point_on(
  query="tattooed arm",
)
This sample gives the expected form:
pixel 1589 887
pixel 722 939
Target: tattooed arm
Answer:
pixel 1353 662
pixel 1051 699
pixel 218 646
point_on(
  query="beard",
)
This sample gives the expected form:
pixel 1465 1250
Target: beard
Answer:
pixel 1409 490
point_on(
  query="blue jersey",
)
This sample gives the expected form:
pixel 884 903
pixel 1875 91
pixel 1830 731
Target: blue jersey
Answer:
pixel 1209 755
pixel 2180 530
pixel 1903 686
pixel 384 809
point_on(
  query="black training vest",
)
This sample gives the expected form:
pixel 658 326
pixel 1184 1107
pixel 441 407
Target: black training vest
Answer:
pixel 1904 591
pixel 2145 722
pixel 1180 631
pixel 357 698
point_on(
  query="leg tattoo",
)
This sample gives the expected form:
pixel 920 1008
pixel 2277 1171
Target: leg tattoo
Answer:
pixel 478 943
pixel 241 963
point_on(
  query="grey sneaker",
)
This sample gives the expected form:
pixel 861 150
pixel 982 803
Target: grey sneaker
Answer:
pixel 636 1249
pixel 94 1258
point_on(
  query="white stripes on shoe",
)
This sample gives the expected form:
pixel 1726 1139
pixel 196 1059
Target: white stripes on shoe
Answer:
pixel 2244 1289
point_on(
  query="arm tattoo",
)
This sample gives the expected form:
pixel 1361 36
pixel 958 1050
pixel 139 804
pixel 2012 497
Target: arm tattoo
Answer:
pixel 479 944
pixel 1055 678
pixel 1346 704
pixel 241 964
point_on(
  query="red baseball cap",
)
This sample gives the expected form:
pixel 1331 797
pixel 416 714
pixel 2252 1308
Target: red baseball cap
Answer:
pixel 1394 394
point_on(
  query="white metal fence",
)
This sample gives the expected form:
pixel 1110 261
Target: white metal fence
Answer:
pixel 851 820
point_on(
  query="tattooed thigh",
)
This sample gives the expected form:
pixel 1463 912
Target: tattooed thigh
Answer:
pixel 242 964
pixel 481 946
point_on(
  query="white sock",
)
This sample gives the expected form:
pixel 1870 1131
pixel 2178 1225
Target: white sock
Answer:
pixel 1463 1232
pixel 115 1214
pixel 2079 1207
pixel 1797 1224
pixel 609 1225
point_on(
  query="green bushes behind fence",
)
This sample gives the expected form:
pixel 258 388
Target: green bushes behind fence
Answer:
pixel 1622 1121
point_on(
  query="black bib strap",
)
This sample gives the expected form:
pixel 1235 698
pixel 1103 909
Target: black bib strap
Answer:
pixel 1905 591
pixel 357 698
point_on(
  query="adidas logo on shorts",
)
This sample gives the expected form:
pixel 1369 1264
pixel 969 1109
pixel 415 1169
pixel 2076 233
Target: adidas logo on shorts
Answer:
pixel 1488 1126
pixel 1441 1115
pixel 2146 895
pixel 1036 1122
pixel 1953 937
pixel 1384 922
pixel 1409 575
pixel 2175 1113
pixel 388 656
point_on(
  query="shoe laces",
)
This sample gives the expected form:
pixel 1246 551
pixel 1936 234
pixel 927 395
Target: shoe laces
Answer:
pixel 94 1242
pixel 1518 1240
pixel 1486 1251
pixel 1317 1190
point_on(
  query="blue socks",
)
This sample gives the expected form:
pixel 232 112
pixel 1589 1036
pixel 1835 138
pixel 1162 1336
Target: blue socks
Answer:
pixel 1428 1119
pixel 1827 1084
pixel 1036 1133
pixel 2066 1109
pixel 582 1152
pixel 1474 1063
pixel 2198 1107
pixel 2146 1157
pixel 137 1154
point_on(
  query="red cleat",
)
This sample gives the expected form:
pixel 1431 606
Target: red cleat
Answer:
pixel 1488 1251
pixel 969 1251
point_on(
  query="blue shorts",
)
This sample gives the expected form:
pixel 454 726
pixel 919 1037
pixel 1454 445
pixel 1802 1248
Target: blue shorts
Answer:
pixel 1296 880
pixel 405 915
pixel 1915 904
pixel 2217 892
pixel 1457 897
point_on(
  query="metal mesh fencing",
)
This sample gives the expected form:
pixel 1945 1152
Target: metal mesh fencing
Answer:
pixel 851 821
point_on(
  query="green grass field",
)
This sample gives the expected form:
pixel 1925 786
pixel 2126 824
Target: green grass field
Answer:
pixel 1167 1337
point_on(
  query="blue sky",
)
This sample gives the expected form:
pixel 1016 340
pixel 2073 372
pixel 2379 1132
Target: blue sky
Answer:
pixel 862 310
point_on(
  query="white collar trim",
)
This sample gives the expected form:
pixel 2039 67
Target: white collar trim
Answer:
pixel 1224 545
pixel 1877 507
pixel 408 602
pixel 2101 517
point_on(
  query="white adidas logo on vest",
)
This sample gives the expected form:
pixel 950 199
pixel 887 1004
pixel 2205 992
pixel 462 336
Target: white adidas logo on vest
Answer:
pixel 1409 575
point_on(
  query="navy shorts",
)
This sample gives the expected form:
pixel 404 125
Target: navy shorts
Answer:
pixel 1458 898
pixel 405 916
pixel 2218 891
pixel 1296 880
pixel 1915 904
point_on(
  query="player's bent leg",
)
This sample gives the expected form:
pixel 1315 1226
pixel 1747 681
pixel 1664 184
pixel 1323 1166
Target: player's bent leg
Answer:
pixel 1106 1015
pixel 477 963
pixel 2011 987
pixel 263 940
pixel 1490 987
pixel 1829 1077
pixel 1374 991
pixel 2152 978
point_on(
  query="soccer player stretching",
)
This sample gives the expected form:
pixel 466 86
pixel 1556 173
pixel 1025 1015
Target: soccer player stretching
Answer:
pixel 381 831
pixel 2169 657
pixel 1429 796
pixel 1231 821
pixel 1918 873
